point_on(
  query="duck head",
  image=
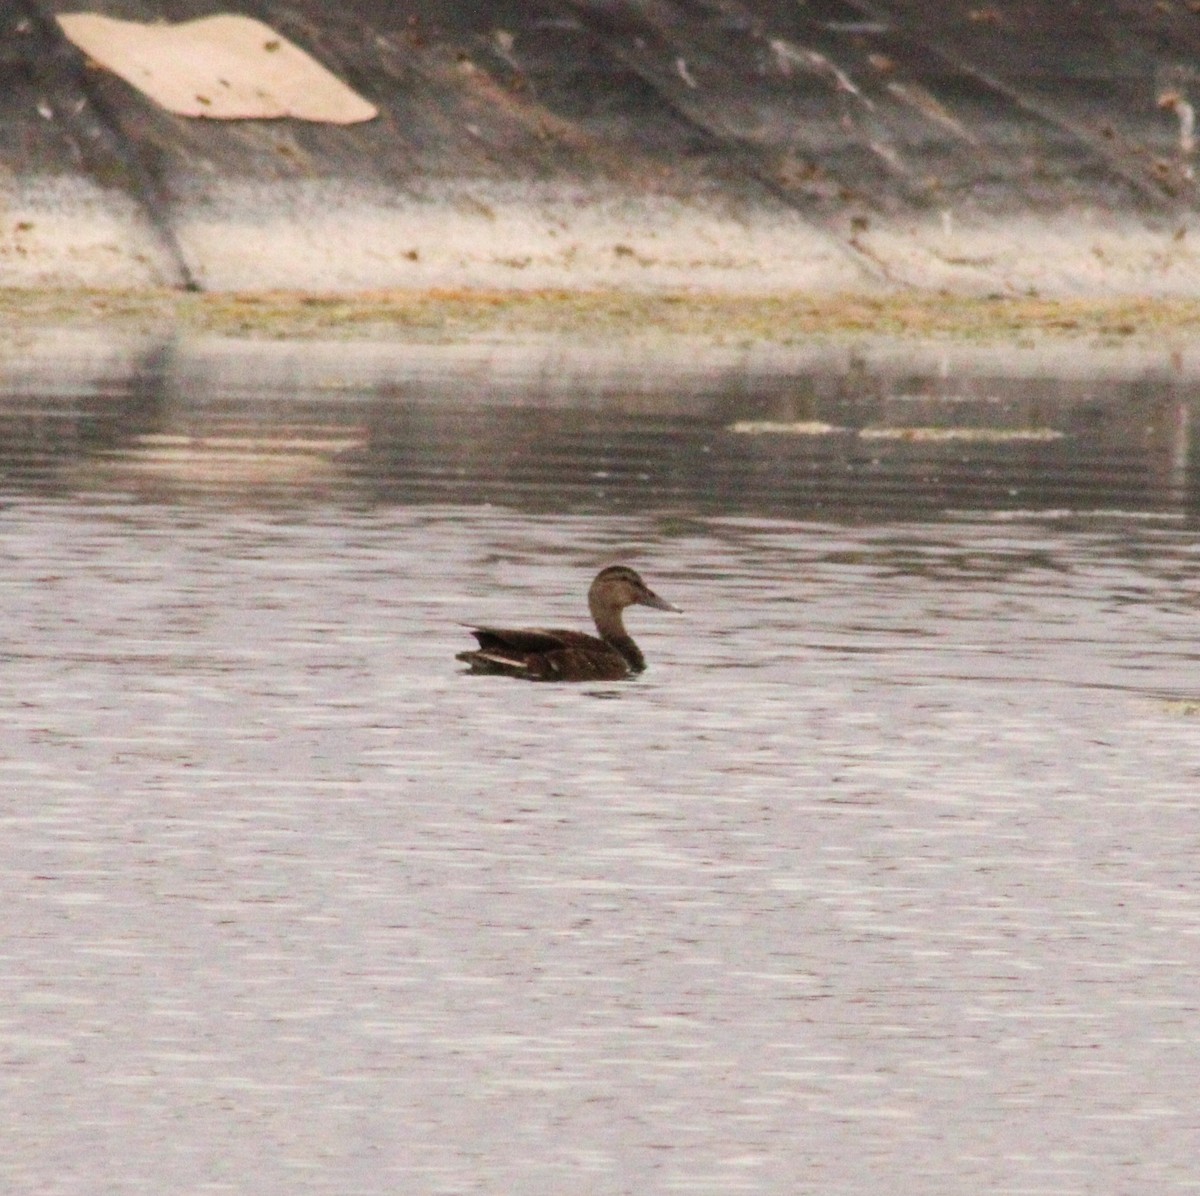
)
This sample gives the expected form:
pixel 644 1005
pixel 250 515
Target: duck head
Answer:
pixel 617 587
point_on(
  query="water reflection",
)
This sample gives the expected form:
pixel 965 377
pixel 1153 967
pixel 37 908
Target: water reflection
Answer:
pixel 827 438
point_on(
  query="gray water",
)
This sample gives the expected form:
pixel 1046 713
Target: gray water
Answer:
pixel 883 878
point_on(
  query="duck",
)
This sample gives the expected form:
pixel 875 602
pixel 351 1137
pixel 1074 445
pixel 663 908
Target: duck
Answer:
pixel 541 654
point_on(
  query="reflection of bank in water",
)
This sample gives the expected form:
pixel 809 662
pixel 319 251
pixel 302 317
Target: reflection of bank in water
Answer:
pixel 228 461
pixel 546 427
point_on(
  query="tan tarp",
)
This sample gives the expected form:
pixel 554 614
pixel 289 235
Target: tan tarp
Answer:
pixel 223 68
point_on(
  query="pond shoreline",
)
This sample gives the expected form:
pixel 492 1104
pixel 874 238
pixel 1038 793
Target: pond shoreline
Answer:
pixel 447 316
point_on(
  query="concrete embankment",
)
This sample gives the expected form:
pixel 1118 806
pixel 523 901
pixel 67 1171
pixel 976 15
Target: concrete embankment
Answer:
pixel 1026 148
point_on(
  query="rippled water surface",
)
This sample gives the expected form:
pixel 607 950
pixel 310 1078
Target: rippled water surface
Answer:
pixel 884 878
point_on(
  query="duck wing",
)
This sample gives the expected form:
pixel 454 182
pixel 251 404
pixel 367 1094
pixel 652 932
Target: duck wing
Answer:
pixel 527 640
pixel 543 654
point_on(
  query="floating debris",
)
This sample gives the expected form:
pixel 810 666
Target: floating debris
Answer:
pixel 816 427
pixel 972 435
pixel 804 427
pixel 1183 707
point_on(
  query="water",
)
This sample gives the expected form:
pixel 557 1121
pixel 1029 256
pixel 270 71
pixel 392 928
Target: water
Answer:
pixel 883 878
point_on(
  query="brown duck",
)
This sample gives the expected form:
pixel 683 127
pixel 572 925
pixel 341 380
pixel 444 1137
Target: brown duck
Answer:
pixel 537 654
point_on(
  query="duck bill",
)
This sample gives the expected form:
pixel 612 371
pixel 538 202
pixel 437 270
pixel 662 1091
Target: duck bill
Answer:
pixel 660 603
